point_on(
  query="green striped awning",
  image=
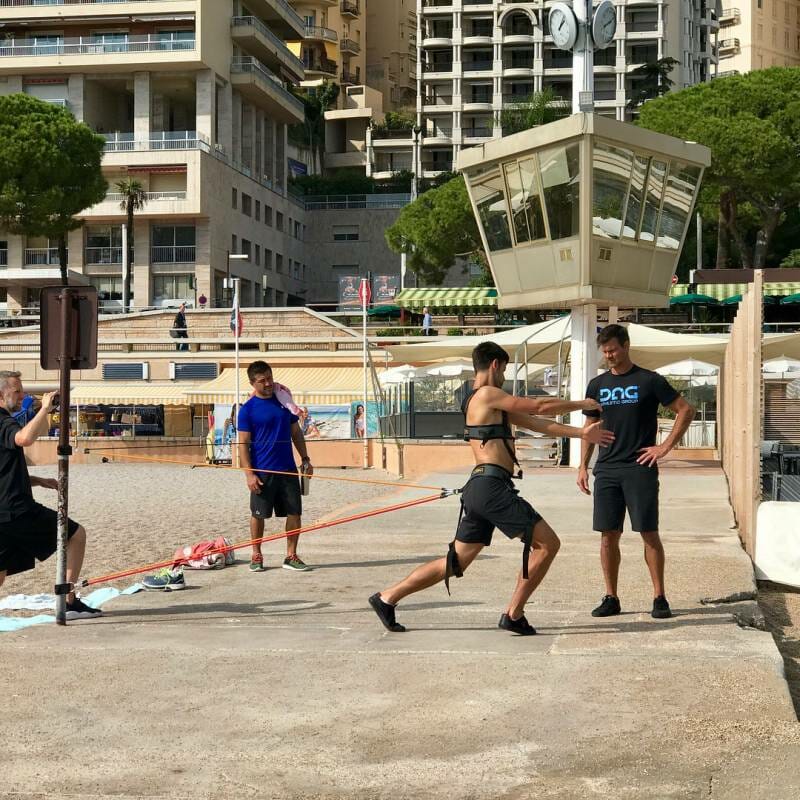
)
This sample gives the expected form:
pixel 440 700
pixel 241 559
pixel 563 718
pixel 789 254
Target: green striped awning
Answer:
pixel 417 299
pixel 719 291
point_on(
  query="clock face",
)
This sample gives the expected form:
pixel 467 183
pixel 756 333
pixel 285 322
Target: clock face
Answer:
pixel 563 27
pixel 604 24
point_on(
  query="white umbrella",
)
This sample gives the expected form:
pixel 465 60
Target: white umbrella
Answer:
pixel 396 375
pixel 449 369
pixel 781 365
pixel 688 368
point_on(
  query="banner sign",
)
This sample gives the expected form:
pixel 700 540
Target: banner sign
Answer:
pixel 385 289
pixel 348 293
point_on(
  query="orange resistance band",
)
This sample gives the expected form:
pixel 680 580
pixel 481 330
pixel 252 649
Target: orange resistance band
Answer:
pixel 145 459
pixel 274 537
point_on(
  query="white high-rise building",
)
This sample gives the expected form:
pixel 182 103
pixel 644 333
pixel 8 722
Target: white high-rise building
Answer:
pixel 477 57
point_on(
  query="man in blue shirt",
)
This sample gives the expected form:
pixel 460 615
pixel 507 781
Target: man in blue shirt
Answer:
pixel 267 431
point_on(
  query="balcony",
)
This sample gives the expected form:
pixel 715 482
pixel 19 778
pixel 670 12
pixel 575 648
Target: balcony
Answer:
pixel 642 24
pixel 350 46
pixel 42 256
pixel 255 36
pixel 96 256
pixel 321 65
pixel 438 36
pixel 116 197
pixel 348 9
pixel 729 47
pixel 437 6
pixel 282 19
pixel 255 81
pixel 443 67
pixel 477 66
pixel 157 140
pixel 730 16
pixel 317 33
pixel 350 78
pixel 727 73
pixel 97 45
pixel 173 255
pixel 482 132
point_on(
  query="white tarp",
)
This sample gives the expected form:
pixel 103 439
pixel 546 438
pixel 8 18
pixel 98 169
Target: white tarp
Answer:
pixel 777 556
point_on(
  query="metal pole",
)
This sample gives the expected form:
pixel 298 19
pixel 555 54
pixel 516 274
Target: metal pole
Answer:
pixel 583 54
pixel 235 318
pixel 364 334
pixel 699 220
pixel 125 268
pixel 64 452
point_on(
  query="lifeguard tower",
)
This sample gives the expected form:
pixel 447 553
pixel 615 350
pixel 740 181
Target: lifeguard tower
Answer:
pixel 583 212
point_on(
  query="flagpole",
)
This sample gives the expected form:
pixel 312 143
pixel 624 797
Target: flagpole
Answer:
pixel 364 300
pixel 236 328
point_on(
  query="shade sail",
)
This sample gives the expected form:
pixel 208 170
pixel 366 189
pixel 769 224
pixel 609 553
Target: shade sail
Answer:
pixel 650 347
pixel 417 299
pixel 127 394
pixel 318 386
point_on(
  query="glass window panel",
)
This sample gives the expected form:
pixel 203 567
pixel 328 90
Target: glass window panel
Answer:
pixel 680 187
pixel 517 200
pixel 491 203
pixel 163 236
pixel 655 191
pixel 611 175
pixel 533 201
pixel 633 213
pixel 560 169
pixel 184 236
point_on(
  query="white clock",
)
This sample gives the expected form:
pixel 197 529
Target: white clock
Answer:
pixel 563 26
pixel 604 24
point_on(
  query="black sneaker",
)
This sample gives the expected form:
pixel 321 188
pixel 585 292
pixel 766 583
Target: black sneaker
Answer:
pixel 661 609
pixel 77 609
pixel 609 607
pixel 519 626
pixel 385 612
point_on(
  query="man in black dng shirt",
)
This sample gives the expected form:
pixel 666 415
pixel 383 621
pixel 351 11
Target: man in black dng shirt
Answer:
pixel 626 472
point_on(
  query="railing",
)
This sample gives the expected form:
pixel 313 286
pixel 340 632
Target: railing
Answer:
pixel 476 66
pixel 26 3
pixel 436 3
pixel 173 255
pixel 42 256
pixel 349 8
pixel 563 62
pixel 383 133
pixel 476 133
pixel 729 15
pixel 521 30
pixel 157 140
pixel 729 44
pixel 439 133
pixel 645 26
pixel 318 32
pixel 117 197
pixel 437 101
pixel 439 33
pixel 88 45
pixel 519 63
pixel 335 202
pixel 440 66
pixel 321 65
pixel 57 101
pixel 103 255
pixel 350 45
pixel 350 77
pixel 437 166
pixel 516 99
pixel 727 73
pixel 253 66
pixel 257 25
pixel 605 94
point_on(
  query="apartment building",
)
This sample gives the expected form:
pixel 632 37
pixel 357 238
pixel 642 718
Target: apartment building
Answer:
pixel 478 56
pixel 332 46
pixel 192 97
pixel 756 34
pixel 392 51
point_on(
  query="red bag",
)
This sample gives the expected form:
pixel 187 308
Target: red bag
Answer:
pixel 199 556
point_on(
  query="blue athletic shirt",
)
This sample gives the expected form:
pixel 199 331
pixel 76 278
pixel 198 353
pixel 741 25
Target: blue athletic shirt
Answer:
pixel 270 427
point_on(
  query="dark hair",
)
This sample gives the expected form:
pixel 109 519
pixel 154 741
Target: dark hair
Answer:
pixel 257 368
pixel 485 353
pixel 613 332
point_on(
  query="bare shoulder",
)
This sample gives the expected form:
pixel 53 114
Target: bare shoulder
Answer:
pixel 490 396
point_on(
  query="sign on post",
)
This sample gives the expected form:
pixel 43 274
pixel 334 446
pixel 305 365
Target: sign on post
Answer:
pixel 82 341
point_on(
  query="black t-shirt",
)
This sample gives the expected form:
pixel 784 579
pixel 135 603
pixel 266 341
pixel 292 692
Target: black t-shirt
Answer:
pixel 16 496
pixel 630 410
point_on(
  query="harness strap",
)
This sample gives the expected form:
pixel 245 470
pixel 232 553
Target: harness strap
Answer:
pixel 486 433
pixel 526 553
pixel 452 566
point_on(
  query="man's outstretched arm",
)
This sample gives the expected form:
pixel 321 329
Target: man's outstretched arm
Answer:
pixel 593 433
pixel 537 406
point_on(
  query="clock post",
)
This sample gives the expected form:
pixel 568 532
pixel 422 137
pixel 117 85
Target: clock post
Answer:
pixel 583 59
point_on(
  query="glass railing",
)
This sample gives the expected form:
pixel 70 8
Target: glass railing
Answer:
pixel 173 255
pixel 318 32
pixel 156 140
pixel 42 256
pixel 91 45
pixel 255 67
pixel 257 25
pixel 103 255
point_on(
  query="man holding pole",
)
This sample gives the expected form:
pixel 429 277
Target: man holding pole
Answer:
pixel 28 530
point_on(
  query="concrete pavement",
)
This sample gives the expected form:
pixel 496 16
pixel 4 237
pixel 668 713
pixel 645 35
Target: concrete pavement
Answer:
pixel 280 685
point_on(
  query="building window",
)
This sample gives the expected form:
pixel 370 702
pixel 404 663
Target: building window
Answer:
pixel 173 244
pixel 279 221
pixel 247 205
pixel 234 244
pixel 298 228
pixel 267 258
pixel 345 233
pixel 268 215
pixel 258 211
pixel 258 255
pixel 278 263
pixel 247 248
pixel 103 244
pixel 172 287
pixel 234 198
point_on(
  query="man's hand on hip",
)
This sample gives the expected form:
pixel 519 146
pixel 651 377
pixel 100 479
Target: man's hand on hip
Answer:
pixel 254 483
pixel 583 480
pixel 650 456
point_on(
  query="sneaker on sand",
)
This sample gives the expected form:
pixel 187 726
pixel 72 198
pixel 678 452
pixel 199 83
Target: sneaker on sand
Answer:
pixel 609 607
pixel 257 564
pixel 295 563
pixel 519 626
pixel 385 612
pixel 165 580
pixel 661 609
pixel 77 609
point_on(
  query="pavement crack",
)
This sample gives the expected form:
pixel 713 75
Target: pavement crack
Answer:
pixel 736 597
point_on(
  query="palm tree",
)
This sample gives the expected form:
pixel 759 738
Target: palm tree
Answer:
pixel 134 198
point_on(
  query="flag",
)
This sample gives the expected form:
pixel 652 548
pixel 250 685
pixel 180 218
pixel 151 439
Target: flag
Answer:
pixel 237 324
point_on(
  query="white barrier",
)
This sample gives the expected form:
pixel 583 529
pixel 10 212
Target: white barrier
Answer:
pixel 777 553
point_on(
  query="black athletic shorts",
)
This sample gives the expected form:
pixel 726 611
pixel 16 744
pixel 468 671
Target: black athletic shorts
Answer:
pixel 631 487
pixel 29 538
pixel 279 496
pixel 493 502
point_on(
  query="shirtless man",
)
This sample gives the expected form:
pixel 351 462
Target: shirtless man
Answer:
pixel 489 499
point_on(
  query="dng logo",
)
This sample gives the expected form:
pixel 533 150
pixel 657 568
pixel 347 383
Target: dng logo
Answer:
pixel 619 396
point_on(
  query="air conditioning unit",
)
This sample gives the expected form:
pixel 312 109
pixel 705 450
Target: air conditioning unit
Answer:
pixel 135 371
pixel 191 372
